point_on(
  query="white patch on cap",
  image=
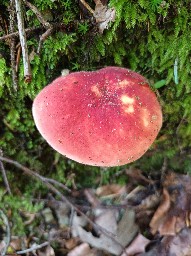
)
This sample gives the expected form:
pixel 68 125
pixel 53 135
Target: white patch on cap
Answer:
pixel 128 103
pixel 146 118
pixel 127 100
pixel 95 89
pixel 129 109
pixel 123 83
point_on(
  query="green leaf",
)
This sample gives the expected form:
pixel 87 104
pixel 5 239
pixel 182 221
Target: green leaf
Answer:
pixel 159 84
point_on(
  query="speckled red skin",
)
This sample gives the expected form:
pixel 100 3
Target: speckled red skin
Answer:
pixel 109 117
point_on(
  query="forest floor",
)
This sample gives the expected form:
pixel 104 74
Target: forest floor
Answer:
pixel 147 216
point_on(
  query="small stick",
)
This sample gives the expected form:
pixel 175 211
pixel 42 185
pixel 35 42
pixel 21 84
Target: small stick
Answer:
pixel 4 175
pixel 8 238
pixel 36 247
pixel 16 34
pixel 39 16
pixel 56 26
pixel 98 2
pixel 58 184
pixel 12 45
pixel 5 178
pixel 22 36
pixel 87 6
pixel 18 58
pixel 43 37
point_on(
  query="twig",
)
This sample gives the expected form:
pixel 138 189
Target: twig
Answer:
pixel 18 58
pixel 55 26
pixel 58 184
pixel 97 2
pixel 62 197
pixel 92 199
pixel 33 248
pixel 16 34
pixel 4 175
pixel 39 16
pixel 5 178
pixel 8 232
pixel 87 6
pixel 87 207
pixel 43 37
pixel 23 168
pixel 12 45
pixel 22 36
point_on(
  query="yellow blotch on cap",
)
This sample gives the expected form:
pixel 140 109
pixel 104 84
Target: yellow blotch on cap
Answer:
pixel 129 109
pixel 96 90
pixel 146 117
pixel 123 83
pixel 127 100
pixel 128 103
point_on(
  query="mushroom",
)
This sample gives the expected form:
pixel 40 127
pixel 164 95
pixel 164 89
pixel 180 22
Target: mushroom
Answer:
pixel 108 117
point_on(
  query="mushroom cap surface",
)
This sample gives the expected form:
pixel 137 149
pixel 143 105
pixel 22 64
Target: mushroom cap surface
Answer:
pixel 108 117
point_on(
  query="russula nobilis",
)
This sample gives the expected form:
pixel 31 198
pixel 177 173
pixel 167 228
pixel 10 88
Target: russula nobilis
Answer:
pixel 108 117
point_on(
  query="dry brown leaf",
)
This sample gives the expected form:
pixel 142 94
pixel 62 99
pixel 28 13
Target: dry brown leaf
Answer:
pixel 62 212
pixel 179 245
pixel 137 177
pixel 137 246
pixel 46 251
pixel 121 234
pixel 77 221
pixel 110 190
pixel 173 213
pixel 91 197
pixel 71 243
pixel 107 219
pixel 169 228
pixel 103 16
pixel 150 202
pixel 102 13
pixel 143 198
pixel 16 244
pixel 81 250
pixel 160 212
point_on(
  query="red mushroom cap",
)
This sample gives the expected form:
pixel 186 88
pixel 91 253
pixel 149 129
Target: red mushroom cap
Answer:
pixel 109 117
